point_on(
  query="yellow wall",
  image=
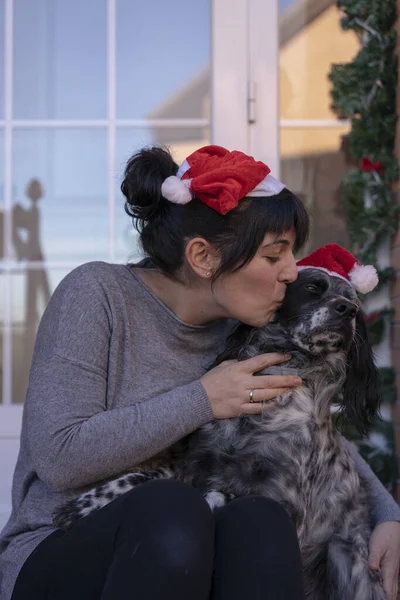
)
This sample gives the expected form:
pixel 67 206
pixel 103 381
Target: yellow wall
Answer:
pixel 305 62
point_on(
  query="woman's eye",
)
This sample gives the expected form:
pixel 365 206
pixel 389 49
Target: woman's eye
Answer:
pixel 273 259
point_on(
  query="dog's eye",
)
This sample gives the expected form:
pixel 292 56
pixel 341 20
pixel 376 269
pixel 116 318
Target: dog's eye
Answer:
pixel 311 288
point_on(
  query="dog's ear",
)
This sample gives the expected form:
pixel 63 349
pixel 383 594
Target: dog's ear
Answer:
pixel 233 344
pixel 362 390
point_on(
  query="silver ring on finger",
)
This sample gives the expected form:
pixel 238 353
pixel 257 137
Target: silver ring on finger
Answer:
pixel 251 396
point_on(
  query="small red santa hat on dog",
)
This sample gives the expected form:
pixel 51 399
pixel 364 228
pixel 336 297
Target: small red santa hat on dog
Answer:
pixel 337 261
pixel 220 179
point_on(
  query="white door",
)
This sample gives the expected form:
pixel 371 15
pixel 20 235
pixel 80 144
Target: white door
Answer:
pixel 85 84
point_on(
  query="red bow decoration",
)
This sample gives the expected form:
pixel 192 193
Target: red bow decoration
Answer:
pixel 372 317
pixel 221 178
pixel 367 165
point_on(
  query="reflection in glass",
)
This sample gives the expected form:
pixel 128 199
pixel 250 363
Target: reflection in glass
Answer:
pixel 60 59
pixel 162 63
pixel 285 4
pixel 311 39
pixel 1 194
pixel 24 325
pixel 1 256
pixel 69 218
pixel 180 141
pixel 313 162
pixel 1 332
pixel 27 244
pixel 2 42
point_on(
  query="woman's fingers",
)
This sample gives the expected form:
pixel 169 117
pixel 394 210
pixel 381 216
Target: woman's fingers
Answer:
pixel 227 362
pixel 229 384
pixel 264 382
pixel 265 395
pixel 261 361
pixel 255 408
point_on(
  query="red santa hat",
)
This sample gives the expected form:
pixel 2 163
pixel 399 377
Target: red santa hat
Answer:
pixel 337 261
pixel 219 178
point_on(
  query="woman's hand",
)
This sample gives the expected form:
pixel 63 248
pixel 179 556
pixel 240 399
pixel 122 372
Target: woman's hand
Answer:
pixel 228 385
pixel 384 554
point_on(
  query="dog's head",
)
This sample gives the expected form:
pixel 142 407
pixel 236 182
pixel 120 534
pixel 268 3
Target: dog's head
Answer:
pixel 323 317
pixel 321 323
pixel 320 313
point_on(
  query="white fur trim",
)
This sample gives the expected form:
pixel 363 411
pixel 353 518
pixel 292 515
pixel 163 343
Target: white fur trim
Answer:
pixel 177 190
pixel 267 187
pixel 333 273
pixel 183 168
pixel 364 278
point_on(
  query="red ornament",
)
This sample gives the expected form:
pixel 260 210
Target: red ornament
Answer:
pixel 372 317
pixel 367 165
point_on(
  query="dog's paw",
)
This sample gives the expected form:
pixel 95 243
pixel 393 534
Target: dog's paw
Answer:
pixel 216 499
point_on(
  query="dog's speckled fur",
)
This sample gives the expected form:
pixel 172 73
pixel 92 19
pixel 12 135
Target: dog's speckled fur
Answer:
pixel 291 453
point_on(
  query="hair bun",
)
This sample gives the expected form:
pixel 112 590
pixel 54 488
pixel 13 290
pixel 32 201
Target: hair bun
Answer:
pixel 144 175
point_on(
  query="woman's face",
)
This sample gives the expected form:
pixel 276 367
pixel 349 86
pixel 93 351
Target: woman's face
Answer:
pixel 254 293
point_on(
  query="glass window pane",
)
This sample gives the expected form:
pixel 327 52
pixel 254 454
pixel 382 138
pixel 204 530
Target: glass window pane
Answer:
pixel 313 162
pixel 60 205
pixel 181 142
pixel 311 39
pixel 1 256
pixel 284 5
pixel 2 291
pixel 2 42
pixel 60 59
pixel 163 58
pixel 30 291
pixel 1 194
pixel 1 172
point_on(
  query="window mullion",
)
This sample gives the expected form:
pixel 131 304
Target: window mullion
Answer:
pixel 8 199
pixel 111 95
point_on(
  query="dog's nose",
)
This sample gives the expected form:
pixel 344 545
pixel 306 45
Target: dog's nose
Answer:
pixel 344 308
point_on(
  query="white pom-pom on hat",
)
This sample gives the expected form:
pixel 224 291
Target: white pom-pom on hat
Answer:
pixel 364 278
pixel 177 190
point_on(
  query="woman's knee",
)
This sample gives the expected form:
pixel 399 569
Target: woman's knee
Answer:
pixel 256 505
pixel 255 535
pixel 172 520
pixel 256 513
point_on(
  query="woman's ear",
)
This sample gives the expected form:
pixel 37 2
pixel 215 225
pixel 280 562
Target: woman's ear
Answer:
pixel 362 390
pixel 202 257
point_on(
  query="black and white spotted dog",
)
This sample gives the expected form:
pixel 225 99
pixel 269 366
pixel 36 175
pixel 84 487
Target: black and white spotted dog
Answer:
pixel 292 452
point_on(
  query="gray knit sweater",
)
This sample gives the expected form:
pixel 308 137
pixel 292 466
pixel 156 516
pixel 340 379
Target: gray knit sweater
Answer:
pixel 114 380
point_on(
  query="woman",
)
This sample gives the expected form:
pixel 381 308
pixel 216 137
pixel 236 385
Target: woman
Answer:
pixel 119 373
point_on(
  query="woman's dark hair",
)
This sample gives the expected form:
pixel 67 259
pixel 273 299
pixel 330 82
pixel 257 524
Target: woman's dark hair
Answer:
pixel 165 227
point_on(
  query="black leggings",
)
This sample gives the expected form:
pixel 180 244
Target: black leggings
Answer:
pixel 161 541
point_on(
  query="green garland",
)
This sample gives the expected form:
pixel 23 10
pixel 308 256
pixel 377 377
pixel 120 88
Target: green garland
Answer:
pixel 364 92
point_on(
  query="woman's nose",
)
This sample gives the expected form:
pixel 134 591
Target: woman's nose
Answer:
pixel 289 273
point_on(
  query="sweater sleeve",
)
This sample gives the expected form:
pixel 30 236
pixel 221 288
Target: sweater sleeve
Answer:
pixel 382 504
pixel 73 439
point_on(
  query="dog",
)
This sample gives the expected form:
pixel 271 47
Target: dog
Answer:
pixel 292 452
